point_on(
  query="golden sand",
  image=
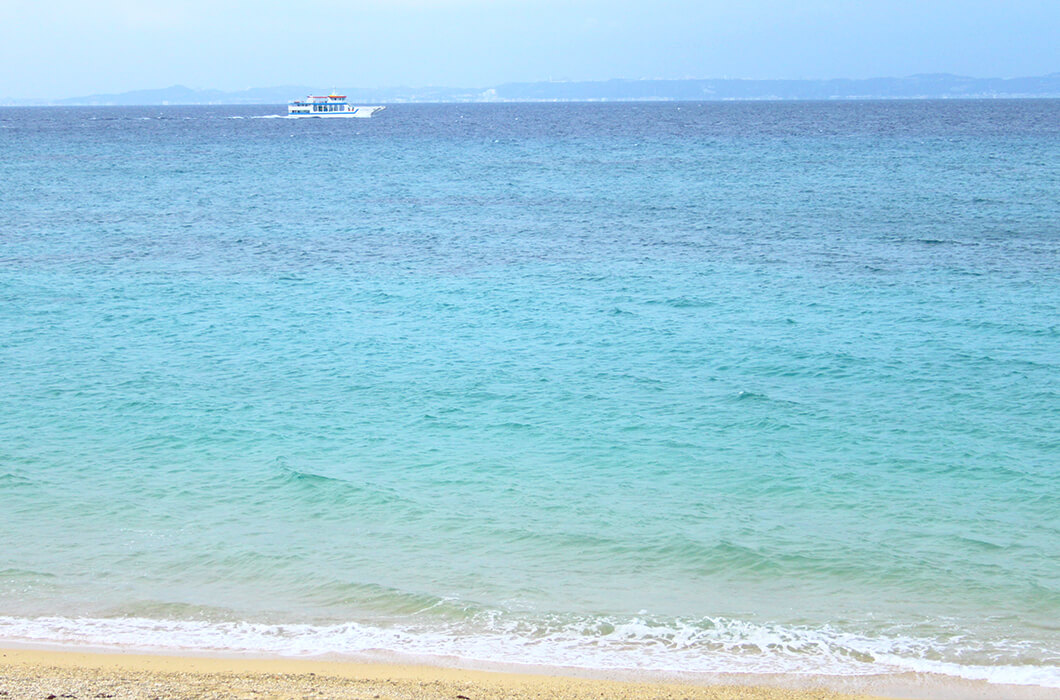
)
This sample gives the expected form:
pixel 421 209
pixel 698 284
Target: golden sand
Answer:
pixel 53 675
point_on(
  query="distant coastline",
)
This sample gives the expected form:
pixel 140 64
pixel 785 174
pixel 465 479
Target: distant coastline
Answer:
pixel 931 86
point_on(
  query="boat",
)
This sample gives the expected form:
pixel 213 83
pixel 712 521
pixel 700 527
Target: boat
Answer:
pixel 329 106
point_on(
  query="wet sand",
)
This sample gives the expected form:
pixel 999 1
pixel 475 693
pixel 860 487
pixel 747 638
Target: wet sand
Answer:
pixel 53 675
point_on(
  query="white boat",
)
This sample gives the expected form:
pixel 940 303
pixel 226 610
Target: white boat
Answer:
pixel 328 106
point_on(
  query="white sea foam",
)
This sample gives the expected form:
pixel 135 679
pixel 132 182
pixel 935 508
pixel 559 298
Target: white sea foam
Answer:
pixel 713 646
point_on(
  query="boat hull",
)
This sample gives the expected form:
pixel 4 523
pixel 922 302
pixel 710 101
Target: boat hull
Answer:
pixel 354 113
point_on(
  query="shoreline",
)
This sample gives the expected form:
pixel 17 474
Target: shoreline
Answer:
pixel 34 673
pixel 28 672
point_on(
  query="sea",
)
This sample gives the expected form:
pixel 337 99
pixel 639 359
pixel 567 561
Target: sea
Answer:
pixel 690 391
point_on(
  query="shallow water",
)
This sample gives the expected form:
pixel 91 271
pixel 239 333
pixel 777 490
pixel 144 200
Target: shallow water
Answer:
pixel 752 387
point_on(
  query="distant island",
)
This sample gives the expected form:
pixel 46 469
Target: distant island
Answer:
pixel 933 86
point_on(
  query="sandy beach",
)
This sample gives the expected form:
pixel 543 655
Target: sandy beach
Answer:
pixel 51 674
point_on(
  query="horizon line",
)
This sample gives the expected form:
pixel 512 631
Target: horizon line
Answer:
pixel 479 93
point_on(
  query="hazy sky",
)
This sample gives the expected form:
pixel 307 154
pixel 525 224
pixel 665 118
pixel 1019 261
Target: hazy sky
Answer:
pixel 64 48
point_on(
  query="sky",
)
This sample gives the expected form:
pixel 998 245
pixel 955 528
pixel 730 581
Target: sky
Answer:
pixel 65 48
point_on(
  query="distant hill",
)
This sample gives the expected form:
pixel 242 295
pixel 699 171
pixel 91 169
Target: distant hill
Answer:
pixel 917 86
pixel 180 95
pixel 933 86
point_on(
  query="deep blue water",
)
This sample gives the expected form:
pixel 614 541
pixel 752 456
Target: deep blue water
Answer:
pixel 766 387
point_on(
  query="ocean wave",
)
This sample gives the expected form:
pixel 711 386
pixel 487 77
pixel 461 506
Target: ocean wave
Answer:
pixel 644 645
pixel 11 479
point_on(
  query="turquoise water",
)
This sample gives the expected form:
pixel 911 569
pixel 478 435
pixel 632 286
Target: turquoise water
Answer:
pixel 694 388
